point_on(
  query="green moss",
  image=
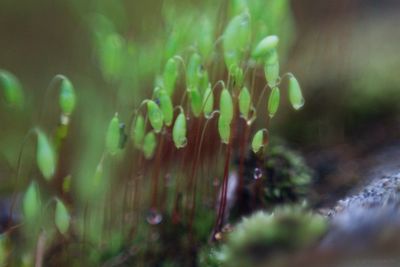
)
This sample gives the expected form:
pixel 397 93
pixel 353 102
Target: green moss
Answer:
pixel 265 237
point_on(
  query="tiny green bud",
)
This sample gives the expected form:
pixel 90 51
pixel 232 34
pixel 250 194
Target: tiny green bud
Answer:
pixel 193 72
pixel 244 102
pixel 111 55
pixel 226 106
pixel 156 116
pixel 205 40
pixel 138 131
pixel 258 141
pixel 166 106
pixel 236 39
pixel 238 76
pixel 67 97
pixel 196 102
pixel 271 57
pixel 45 156
pixel 61 217
pixel 295 95
pixel 273 101
pixel 208 101
pixel 238 6
pixel 31 203
pixel 272 73
pixel 224 129
pixel 170 75
pixel 12 89
pixel 113 135
pixel 179 131
pixel 204 81
pixel 149 145
pixel 265 46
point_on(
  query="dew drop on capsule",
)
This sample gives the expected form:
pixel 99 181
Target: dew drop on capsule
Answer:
pixel 154 217
pixel 257 174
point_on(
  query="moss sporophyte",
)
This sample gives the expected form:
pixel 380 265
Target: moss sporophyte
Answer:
pixel 215 91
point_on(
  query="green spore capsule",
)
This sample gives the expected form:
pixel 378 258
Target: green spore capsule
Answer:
pixel 45 156
pixel 113 136
pixel 244 102
pixel 295 94
pixel 271 57
pixel 138 131
pixel 31 203
pixel 179 131
pixel 265 46
pixel 61 217
pixel 205 40
pixel 170 75
pixel 111 56
pixel 149 145
pixel 238 76
pixel 156 116
pixel 236 40
pixel 238 6
pixel 258 141
pixel 273 101
pixel 204 81
pixel 196 102
pixel 67 97
pixel 208 102
pixel 13 93
pixel 224 129
pixel 271 72
pixel 193 72
pixel 226 106
pixel 166 106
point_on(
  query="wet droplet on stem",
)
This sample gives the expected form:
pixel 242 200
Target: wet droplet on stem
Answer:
pixel 257 173
pixel 154 217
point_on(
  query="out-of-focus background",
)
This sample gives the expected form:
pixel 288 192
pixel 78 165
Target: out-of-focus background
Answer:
pixel 345 54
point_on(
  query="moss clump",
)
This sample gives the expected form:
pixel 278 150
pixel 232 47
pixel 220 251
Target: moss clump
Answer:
pixel 267 237
pixel 279 176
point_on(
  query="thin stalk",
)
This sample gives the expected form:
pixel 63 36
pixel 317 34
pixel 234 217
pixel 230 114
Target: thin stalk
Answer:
pixel 19 167
pixel 156 174
pixel 193 175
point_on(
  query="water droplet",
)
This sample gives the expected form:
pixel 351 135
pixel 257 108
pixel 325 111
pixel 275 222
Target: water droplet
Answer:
pixel 257 173
pixel 154 217
pixel 218 236
pixel 168 179
pixel 216 182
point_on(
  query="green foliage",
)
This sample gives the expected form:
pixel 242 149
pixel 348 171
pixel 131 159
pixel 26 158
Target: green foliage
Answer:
pixel 156 116
pixel 265 46
pixel 179 131
pixel 273 101
pixel 113 135
pixel 208 101
pixel 258 141
pixel 170 75
pixel 13 93
pixel 32 203
pixel 225 116
pixel 110 194
pixel 149 145
pixel 244 102
pixel 67 97
pixel 295 95
pixel 61 217
pixel 166 106
pixel 138 131
pixel 45 156
pixel 236 40
pixel 260 238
